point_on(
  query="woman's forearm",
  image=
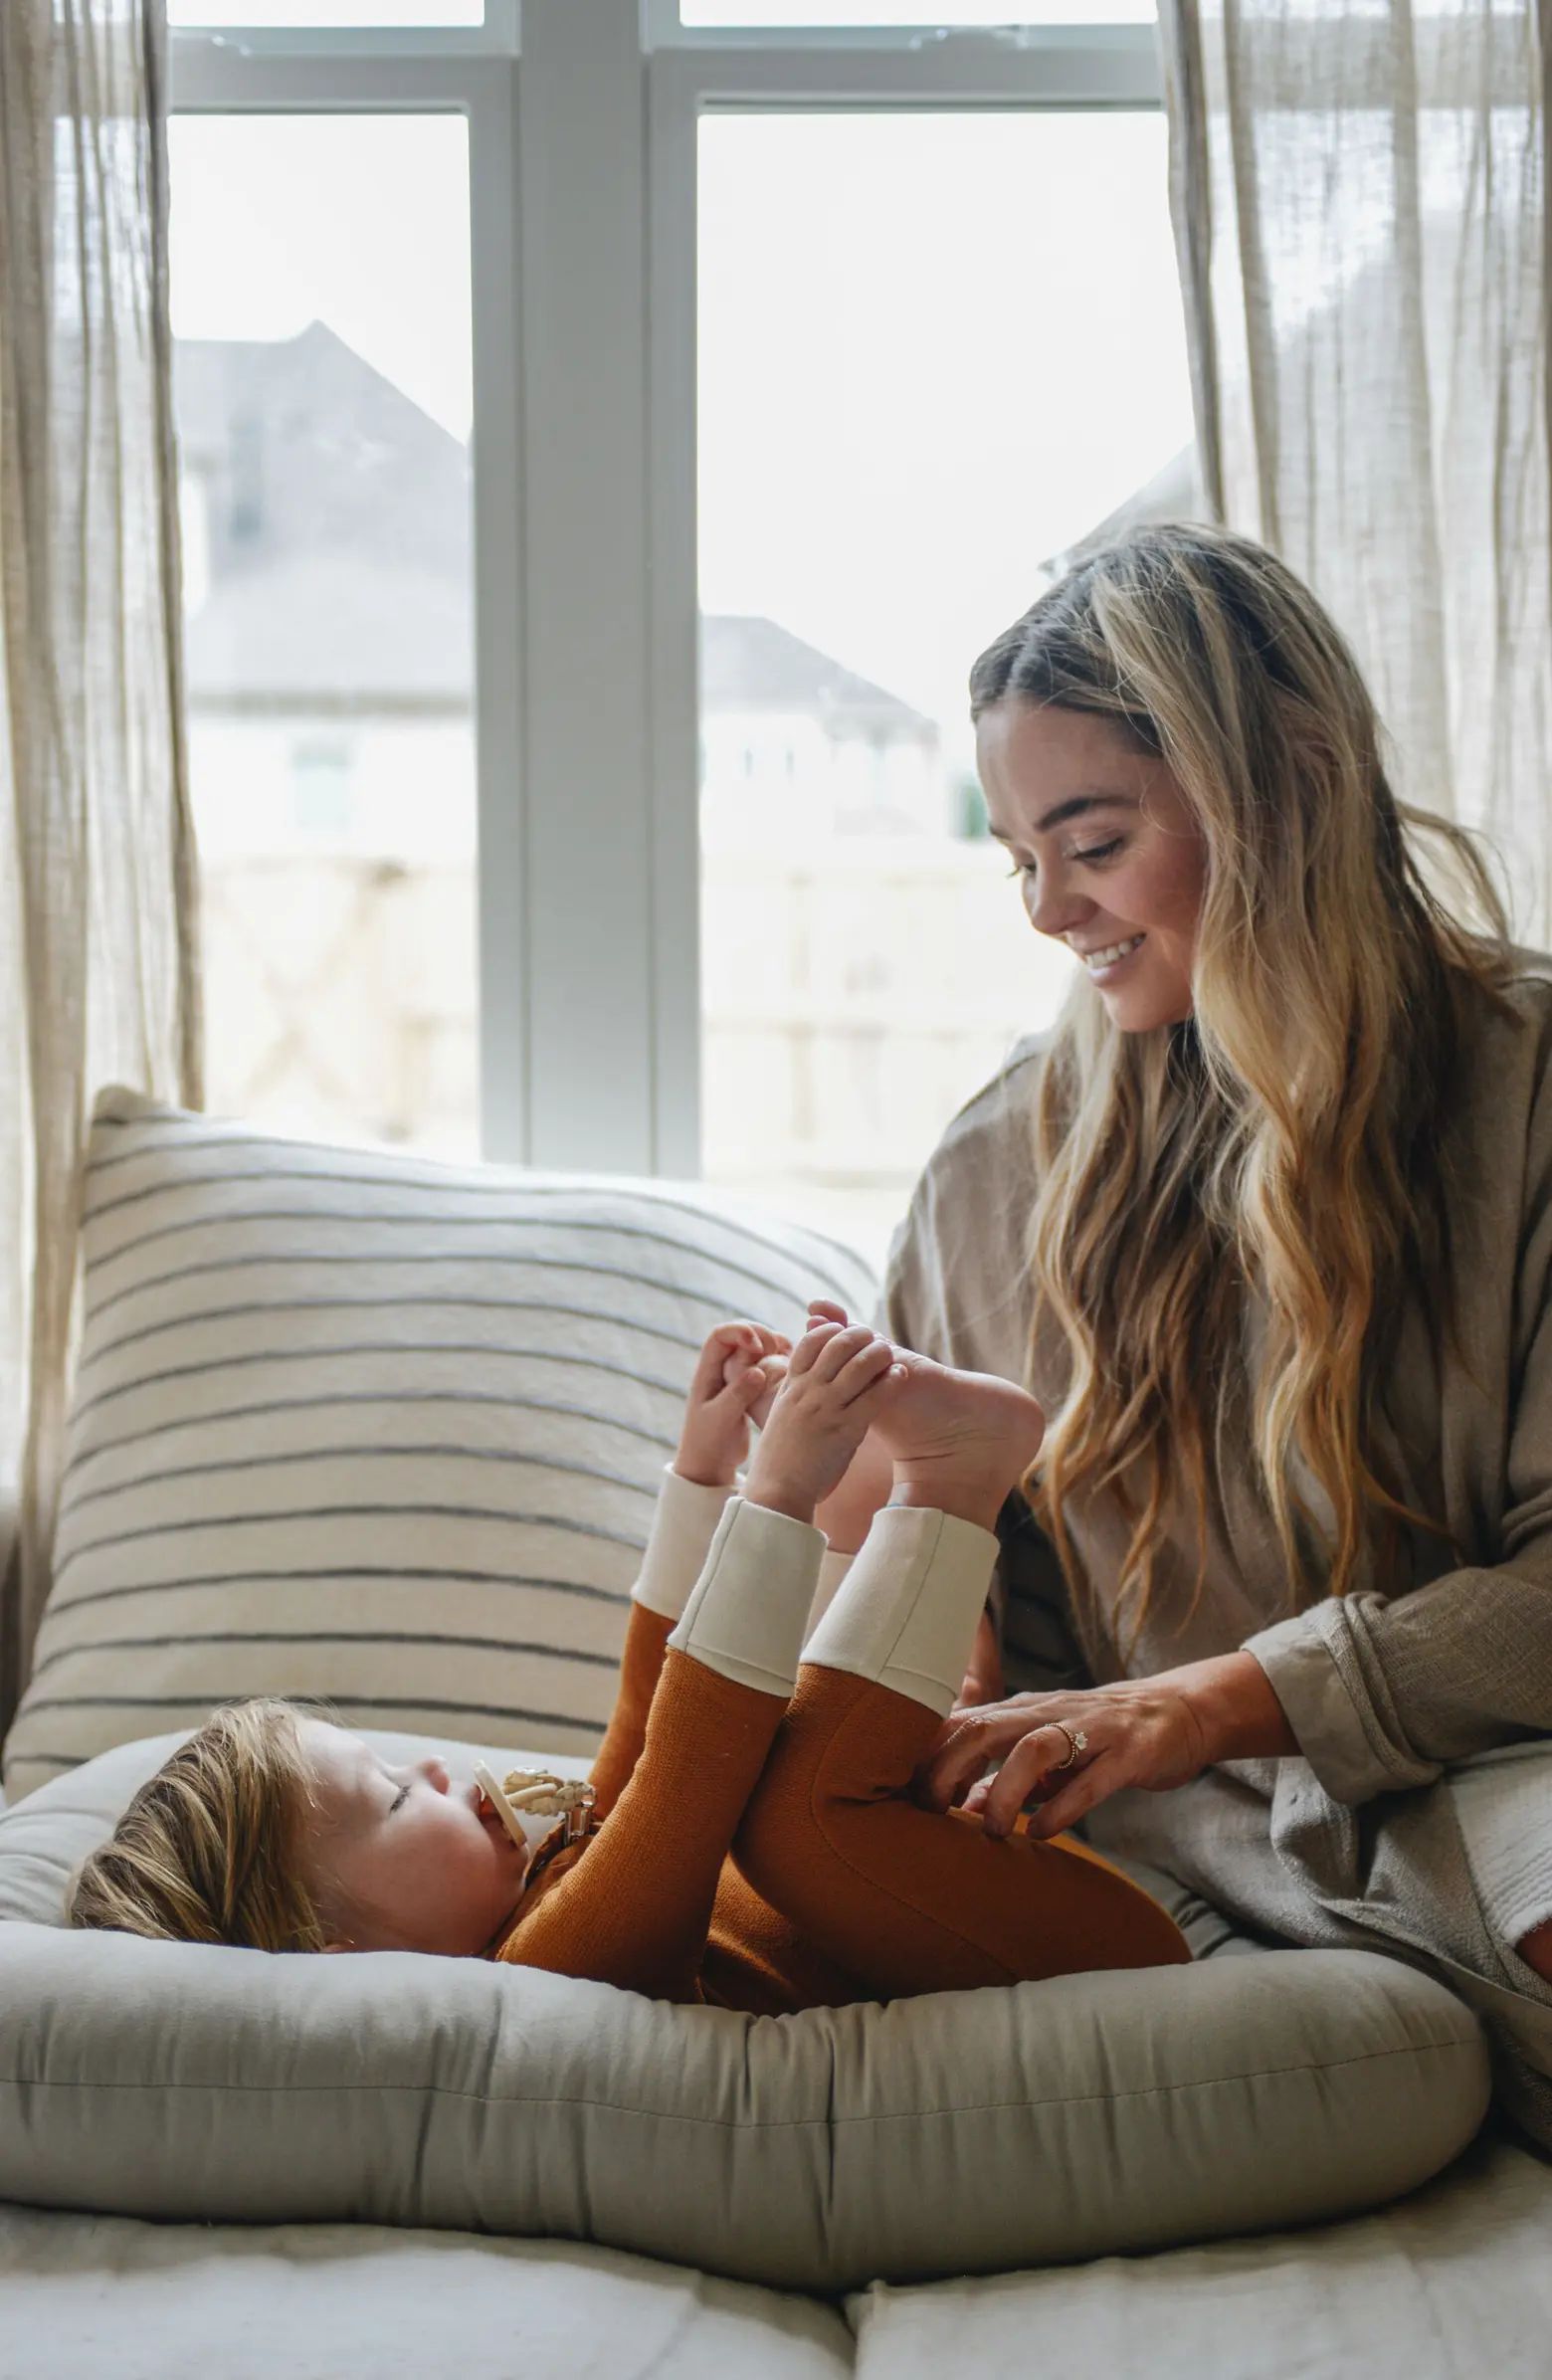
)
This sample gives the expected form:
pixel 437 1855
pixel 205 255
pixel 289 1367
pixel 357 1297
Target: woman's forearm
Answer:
pixel 1233 1698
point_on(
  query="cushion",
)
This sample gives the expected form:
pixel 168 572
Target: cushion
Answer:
pixel 103 2297
pixel 367 1427
pixel 953 2134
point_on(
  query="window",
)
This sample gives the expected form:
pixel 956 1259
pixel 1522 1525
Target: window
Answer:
pixel 821 13
pixel 321 377
pixel 369 15
pixel 915 393
pixel 474 857
pixel 320 778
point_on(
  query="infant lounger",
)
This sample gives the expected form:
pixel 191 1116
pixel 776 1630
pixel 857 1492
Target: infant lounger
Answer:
pixel 954 2133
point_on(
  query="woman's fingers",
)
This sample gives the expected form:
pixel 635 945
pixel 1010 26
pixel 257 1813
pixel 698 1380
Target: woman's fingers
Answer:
pixel 1027 1767
pixel 970 1739
pixel 1094 1784
pixel 997 1800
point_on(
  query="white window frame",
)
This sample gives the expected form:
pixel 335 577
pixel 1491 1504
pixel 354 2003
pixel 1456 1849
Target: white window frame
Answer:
pixel 582 194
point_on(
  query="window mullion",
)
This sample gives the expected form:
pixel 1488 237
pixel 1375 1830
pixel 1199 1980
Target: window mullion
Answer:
pixel 209 78
pixel 674 600
pixel 586 715
pixel 1075 65
pixel 496 496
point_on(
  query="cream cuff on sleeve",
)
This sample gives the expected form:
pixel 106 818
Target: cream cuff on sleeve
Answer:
pixel 747 1616
pixel 683 1523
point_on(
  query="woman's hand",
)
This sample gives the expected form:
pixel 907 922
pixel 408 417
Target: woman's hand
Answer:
pixel 1155 1732
pixel 729 1383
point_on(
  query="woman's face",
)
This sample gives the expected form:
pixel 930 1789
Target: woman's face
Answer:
pixel 1113 862
pixel 402 1858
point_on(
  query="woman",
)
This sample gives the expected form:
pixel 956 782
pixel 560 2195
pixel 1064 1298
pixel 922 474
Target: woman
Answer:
pixel 1265 1224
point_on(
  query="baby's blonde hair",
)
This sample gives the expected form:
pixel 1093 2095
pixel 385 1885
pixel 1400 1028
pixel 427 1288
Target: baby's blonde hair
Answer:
pixel 208 1849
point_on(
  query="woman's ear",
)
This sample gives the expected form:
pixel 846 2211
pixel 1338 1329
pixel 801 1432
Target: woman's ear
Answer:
pixel 337 1946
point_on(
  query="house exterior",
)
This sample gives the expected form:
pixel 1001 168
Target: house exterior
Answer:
pixel 329 639
pixel 864 964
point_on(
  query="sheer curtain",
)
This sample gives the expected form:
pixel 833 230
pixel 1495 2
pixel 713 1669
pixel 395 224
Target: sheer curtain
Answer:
pixel 1359 202
pixel 98 975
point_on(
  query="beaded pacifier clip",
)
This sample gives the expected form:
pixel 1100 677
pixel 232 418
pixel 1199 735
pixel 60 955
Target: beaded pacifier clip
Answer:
pixel 541 1794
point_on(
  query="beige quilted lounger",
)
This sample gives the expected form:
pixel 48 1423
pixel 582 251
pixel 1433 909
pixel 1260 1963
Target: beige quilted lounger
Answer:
pixel 963 2132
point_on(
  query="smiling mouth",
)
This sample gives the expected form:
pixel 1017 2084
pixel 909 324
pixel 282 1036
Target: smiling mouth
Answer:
pixel 1114 956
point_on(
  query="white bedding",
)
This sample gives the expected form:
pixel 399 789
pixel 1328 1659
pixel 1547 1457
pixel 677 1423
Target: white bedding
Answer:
pixel 1453 2283
pixel 84 2295
pixel 1450 2283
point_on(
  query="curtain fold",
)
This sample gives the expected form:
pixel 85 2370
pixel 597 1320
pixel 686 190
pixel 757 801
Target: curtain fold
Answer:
pixel 98 968
pixel 1359 201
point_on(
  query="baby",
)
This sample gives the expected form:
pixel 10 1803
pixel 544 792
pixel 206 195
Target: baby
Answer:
pixel 753 1839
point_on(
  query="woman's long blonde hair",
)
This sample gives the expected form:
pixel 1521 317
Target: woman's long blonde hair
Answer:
pixel 209 1850
pixel 1289 1133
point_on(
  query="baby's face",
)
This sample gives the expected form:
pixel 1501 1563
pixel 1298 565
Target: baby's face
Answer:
pixel 405 1858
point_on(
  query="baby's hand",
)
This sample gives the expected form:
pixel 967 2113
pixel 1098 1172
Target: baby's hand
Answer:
pixel 729 1383
pixel 837 1382
pixel 820 1309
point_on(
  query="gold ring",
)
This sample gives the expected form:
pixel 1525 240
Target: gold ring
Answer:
pixel 1078 1743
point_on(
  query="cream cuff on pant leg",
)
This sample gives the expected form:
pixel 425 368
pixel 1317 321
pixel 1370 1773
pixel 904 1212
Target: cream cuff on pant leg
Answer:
pixel 683 1523
pixel 832 1570
pixel 906 1611
pixel 747 1616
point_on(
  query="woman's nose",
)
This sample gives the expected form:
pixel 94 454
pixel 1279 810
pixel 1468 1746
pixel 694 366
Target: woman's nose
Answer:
pixel 435 1772
pixel 1055 911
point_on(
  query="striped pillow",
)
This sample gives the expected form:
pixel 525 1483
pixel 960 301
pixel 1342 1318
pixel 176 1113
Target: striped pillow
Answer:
pixel 367 1427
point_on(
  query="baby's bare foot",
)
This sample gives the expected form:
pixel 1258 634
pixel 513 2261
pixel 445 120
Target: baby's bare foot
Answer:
pixel 972 1427
pixel 967 1435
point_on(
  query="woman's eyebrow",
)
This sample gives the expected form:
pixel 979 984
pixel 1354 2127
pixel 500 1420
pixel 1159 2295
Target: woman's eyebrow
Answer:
pixel 1072 809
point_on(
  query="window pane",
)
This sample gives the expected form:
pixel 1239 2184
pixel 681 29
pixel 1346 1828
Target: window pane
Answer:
pixel 322 374
pixel 916 12
pixel 918 389
pixel 371 13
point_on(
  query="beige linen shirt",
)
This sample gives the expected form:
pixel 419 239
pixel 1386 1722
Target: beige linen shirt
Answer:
pixel 1385 1693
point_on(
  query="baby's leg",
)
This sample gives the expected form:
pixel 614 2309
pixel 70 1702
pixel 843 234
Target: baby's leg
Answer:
pixel 908 1900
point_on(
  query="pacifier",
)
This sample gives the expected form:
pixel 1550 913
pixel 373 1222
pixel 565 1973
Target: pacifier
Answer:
pixel 543 1795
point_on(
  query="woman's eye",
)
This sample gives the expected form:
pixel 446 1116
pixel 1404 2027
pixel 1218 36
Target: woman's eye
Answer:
pixel 1100 851
pixel 399 1800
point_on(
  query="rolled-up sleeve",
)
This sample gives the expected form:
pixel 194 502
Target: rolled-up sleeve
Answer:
pixel 1384 1691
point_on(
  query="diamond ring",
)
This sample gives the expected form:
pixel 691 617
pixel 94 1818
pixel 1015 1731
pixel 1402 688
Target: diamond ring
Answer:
pixel 1078 1743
